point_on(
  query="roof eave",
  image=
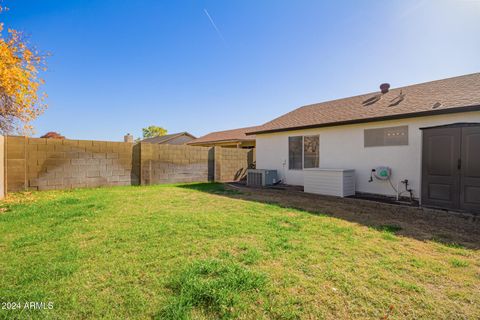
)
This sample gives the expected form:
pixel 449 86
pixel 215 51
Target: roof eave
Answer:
pixel 375 119
pixel 220 141
pixel 190 135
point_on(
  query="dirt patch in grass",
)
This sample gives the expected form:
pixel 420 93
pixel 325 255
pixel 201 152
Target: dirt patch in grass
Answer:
pixel 448 228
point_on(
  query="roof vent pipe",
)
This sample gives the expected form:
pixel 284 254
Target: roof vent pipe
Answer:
pixel 384 87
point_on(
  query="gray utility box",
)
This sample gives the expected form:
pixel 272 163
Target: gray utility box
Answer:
pixel 261 177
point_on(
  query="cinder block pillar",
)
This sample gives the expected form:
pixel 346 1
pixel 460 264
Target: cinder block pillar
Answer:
pixel 218 164
pixel 2 167
pixel 146 154
pixel 136 164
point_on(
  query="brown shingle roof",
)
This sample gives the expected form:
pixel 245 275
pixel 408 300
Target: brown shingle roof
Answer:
pixel 436 97
pixel 166 138
pixel 235 135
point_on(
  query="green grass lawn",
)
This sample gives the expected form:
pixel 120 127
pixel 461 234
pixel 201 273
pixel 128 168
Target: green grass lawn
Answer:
pixel 201 252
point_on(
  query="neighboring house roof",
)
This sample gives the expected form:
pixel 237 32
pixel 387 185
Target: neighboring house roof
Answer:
pixel 53 135
pixel 235 135
pixel 451 95
pixel 167 137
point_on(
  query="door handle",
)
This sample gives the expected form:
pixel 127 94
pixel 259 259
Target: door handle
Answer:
pixel 459 164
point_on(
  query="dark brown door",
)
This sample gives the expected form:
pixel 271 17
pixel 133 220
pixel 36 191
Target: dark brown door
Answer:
pixel 470 172
pixel 441 165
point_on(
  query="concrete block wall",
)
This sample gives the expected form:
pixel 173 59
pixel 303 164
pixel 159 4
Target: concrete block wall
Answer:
pixel 45 164
pixel 175 164
pixel 231 164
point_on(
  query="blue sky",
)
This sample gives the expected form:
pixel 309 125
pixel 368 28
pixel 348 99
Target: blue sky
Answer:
pixel 118 66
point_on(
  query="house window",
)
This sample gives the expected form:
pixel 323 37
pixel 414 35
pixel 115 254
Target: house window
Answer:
pixel 311 151
pixel 393 136
pixel 295 153
pixel 303 152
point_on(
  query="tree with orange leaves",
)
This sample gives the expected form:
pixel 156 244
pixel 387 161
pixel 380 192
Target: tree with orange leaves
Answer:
pixel 20 100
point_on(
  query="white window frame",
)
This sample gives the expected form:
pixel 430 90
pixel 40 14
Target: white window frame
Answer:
pixel 288 152
pixel 303 151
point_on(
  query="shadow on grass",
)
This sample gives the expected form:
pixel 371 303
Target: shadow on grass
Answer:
pixel 446 228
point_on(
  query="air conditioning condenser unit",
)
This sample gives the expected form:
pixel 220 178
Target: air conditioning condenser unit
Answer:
pixel 261 177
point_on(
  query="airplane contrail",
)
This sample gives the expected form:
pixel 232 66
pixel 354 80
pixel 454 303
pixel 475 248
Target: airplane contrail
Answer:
pixel 214 25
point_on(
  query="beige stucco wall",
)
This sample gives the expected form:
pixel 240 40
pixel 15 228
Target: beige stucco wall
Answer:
pixel 343 147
